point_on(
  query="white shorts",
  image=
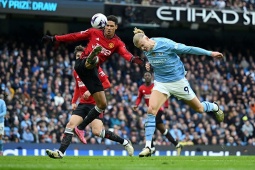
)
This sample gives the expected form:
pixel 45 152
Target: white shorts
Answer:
pixel 180 89
pixel 2 128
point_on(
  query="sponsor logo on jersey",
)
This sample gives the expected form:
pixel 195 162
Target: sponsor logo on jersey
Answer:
pixel 111 45
pixel 104 51
pixel 147 96
pixel 158 62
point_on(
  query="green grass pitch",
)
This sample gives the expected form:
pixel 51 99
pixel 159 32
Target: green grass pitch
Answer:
pixel 127 163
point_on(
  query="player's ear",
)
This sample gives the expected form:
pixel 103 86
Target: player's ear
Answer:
pixel 116 26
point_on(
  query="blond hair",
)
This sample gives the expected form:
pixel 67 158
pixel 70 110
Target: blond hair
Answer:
pixel 138 35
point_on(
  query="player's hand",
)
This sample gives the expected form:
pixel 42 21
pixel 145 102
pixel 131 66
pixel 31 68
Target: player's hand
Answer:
pixel 47 38
pixel 137 60
pixel 217 55
pixel 74 106
pixel 86 95
pixel 135 107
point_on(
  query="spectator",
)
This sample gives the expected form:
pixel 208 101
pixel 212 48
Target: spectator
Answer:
pixel 247 129
pixel 59 100
pixel 231 142
pixel 27 136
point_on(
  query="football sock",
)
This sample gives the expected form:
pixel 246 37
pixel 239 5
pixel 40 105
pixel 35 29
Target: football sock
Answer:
pixel 150 126
pixel 170 137
pixel 152 143
pixel 93 113
pixel 112 136
pixel 67 139
pixel 1 146
pixel 209 107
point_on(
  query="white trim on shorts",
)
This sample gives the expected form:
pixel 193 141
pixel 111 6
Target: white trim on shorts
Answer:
pixel 180 89
pixel 2 128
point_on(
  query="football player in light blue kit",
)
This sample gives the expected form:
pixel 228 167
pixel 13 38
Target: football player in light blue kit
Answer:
pixel 2 114
pixel 169 73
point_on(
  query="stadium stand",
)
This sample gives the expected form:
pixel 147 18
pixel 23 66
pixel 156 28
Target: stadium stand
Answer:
pixel 37 82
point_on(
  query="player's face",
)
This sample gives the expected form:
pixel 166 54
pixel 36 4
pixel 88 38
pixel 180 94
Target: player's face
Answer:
pixel 109 29
pixel 147 77
pixel 78 54
pixel 144 44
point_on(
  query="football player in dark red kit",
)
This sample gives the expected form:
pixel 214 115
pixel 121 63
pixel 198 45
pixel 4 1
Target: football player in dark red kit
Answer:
pixel 101 45
pixel 86 103
pixel 144 93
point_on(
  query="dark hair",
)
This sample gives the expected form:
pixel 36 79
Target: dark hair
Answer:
pixel 78 48
pixel 113 18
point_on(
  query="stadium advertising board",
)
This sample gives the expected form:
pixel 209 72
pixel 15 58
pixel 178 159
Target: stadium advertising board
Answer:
pixel 203 15
pixel 34 149
pixel 66 8
pixel 90 152
pixel 186 14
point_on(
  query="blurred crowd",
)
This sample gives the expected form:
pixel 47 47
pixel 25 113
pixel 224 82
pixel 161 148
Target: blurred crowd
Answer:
pixel 38 85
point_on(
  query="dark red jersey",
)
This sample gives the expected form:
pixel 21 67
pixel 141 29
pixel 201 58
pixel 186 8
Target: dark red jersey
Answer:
pixel 96 37
pixel 80 88
pixel 144 91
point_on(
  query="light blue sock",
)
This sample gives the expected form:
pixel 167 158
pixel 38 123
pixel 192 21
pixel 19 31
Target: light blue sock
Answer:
pixel 150 126
pixel 1 145
pixel 209 107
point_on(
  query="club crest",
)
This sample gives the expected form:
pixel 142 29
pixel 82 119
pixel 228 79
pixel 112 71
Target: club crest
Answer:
pixel 111 45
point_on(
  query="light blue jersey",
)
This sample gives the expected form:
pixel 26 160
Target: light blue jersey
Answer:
pixel 2 110
pixel 166 63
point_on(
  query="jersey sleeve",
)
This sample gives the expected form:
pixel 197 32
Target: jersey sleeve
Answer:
pixel 77 36
pixel 184 49
pixel 103 78
pixel 166 104
pixel 139 96
pixel 122 50
pixel 106 84
pixel 76 89
pixel 4 108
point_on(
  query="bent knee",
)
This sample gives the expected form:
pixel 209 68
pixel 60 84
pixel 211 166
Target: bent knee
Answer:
pixel 96 131
pixel 102 105
pixel 71 125
pixel 152 110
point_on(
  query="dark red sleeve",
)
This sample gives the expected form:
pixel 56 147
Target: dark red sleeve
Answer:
pixel 76 89
pixel 166 104
pixel 139 96
pixel 123 52
pixel 77 36
pixel 103 78
pixel 106 84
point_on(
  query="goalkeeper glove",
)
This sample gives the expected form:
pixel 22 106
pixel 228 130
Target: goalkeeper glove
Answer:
pixel 137 60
